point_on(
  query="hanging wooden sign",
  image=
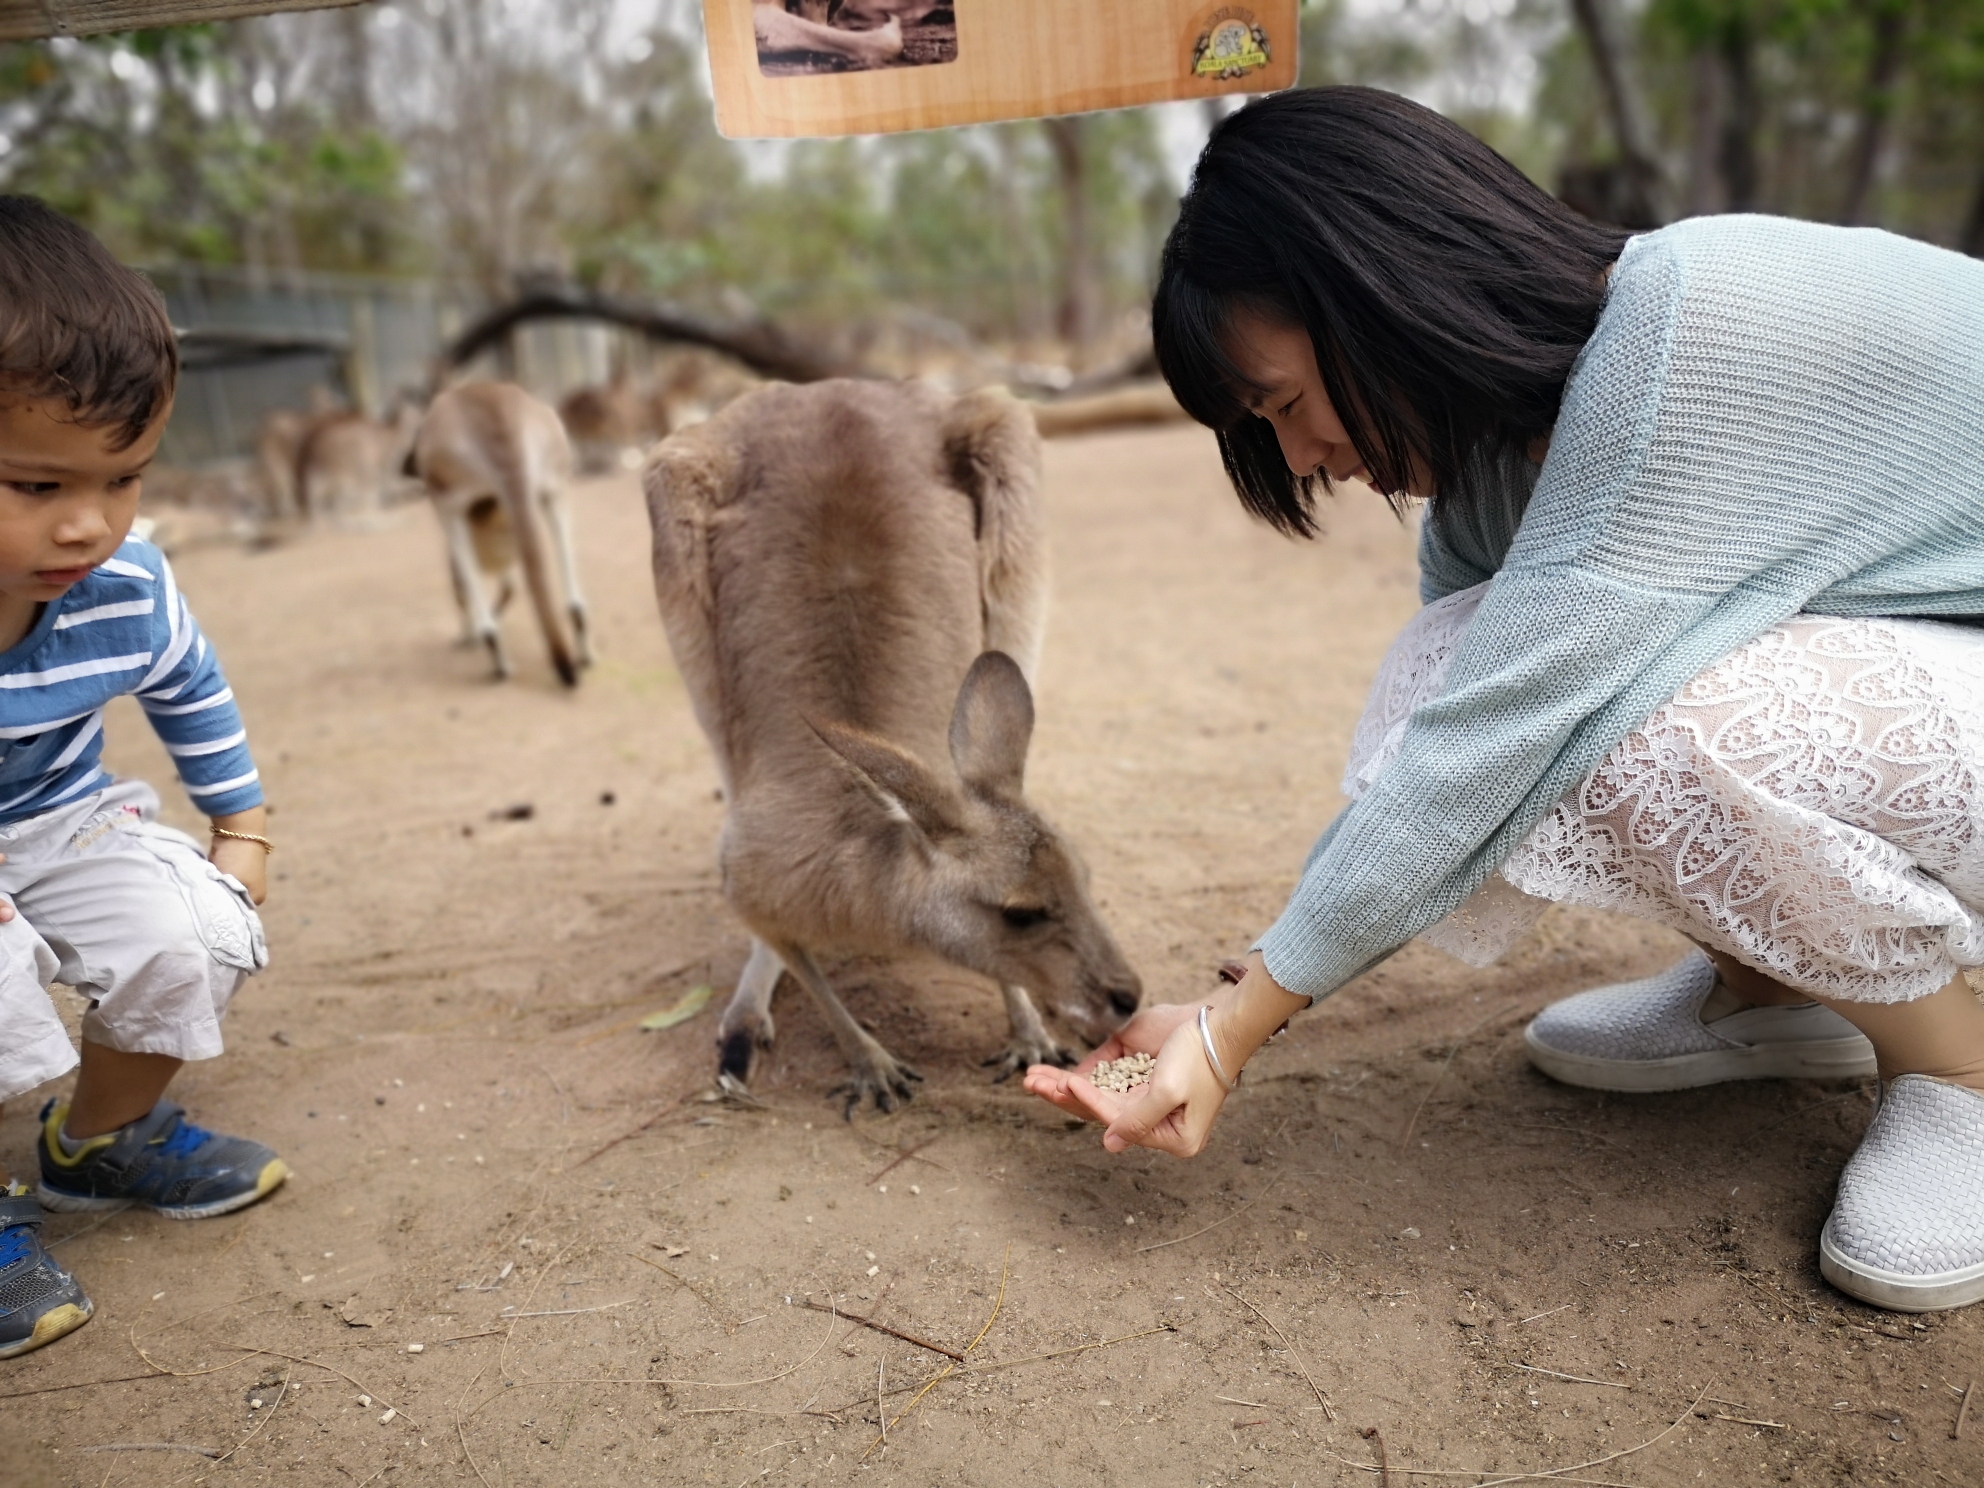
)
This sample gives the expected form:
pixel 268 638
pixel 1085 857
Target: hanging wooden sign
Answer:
pixel 825 67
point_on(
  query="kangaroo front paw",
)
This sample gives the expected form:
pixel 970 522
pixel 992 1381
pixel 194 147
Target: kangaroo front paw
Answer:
pixel 1024 1052
pixel 880 1076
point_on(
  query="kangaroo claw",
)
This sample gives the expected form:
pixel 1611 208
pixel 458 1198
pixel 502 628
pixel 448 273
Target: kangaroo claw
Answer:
pixel 1022 1054
pixel 886 1079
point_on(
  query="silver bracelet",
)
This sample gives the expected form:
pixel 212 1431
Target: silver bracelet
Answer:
pixel 1212 1054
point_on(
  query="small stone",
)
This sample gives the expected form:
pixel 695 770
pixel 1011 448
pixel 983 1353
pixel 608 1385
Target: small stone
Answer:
pixel 366 1401
pixel 387 1418
pixel 914 1189
pixel 1409 1233
pixel 873 1270
pixel 416 1348
pixel 256 1403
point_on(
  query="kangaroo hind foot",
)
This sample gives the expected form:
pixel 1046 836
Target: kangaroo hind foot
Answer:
pixel 746 1026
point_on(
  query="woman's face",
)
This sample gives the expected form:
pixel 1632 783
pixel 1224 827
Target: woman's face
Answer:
pixel 1280 358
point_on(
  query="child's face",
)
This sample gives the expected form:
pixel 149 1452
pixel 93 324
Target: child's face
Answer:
pixel 67 498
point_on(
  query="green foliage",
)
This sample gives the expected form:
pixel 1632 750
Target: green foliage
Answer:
pixel 153 140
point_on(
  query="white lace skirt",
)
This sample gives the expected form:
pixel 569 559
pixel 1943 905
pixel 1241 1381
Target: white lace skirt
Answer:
pixel 1812 804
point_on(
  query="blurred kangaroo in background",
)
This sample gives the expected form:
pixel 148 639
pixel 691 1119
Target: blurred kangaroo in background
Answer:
pixel 495 460
pixel 853 579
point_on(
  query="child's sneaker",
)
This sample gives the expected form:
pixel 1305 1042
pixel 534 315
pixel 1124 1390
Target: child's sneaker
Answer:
pixel 161 1160
pixel 39 1301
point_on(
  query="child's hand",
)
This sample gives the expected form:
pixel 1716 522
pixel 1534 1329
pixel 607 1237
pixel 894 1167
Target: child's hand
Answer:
pixel 246 861
pixel 244 856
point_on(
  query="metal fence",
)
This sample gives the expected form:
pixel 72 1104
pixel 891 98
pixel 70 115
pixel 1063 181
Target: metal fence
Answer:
pixel 256 342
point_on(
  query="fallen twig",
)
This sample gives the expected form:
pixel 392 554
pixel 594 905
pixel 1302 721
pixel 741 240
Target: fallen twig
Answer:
pixel 892 1148
pixel 1962 1410
pixel 1741 1420
pixel 1479 1024
pixel 1577 1379
pixel 1080 1348
pixel 508 1316
pixel 869 1322
pixel 626 1136
pixel 1229 1215
pixel 1250 1404
pixel 917 1399
pixel 213 1452
pixel 905 1157
pixel 1534 1317
pixel 1372 1435
pixel 1328 1413
pixel 115 1379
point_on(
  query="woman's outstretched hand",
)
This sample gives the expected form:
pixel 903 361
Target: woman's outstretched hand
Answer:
pixel 1175 1111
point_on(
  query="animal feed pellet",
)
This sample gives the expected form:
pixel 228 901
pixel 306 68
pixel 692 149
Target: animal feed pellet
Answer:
pixel 1123 1075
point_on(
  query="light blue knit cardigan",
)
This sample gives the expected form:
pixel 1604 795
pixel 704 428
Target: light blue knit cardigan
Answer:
pixel 1772 416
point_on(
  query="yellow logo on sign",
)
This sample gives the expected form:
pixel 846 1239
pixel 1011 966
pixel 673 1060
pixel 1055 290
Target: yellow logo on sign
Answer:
pixel 1232 45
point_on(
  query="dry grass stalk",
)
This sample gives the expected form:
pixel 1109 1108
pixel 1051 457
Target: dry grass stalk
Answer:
pixel 213 1452
pixel 1321 1399
pixel 1576 1379
pixel 997 1302
pixel 964 1370
pixel 1445 1064
pixel 1742 1420
pixel 263 1420
pixel 1230 1215
pixel 1962 1410
pixel 1553 1474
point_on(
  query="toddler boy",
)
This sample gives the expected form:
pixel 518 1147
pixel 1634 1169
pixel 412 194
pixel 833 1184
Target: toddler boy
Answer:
pixel 93 891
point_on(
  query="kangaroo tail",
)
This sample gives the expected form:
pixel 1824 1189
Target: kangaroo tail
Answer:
pixel 521 481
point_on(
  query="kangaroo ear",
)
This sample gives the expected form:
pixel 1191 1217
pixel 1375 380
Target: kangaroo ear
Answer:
pixel 992 726
pixel 901 784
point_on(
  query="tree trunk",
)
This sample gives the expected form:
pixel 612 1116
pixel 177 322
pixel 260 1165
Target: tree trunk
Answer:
pixel 1739 120
pixel 1876 108
pixel 1704 126
pixel 1972 241
pixel 1642 184
pixel 1080 314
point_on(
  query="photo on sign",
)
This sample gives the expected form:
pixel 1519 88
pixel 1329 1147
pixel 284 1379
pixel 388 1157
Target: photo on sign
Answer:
pixel 797 37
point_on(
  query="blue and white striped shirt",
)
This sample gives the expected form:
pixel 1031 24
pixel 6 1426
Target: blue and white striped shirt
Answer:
pixel 124 629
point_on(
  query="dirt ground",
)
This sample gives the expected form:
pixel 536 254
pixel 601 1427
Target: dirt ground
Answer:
pixel 522 1246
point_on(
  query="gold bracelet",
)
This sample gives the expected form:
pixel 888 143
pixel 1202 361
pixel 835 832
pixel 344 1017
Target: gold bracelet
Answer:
pixel 266 845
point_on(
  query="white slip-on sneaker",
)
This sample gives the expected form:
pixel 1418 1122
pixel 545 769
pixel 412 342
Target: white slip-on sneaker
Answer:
pixel 1907 1230
pixel 1649 1035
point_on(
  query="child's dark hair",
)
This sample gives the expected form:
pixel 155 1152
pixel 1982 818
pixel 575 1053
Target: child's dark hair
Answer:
pixel 1447 295
pixel 76 324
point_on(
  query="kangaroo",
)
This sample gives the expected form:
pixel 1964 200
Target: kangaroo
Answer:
pixel 852 578
pixel 778 30
pixel 495 460
pixel 347 464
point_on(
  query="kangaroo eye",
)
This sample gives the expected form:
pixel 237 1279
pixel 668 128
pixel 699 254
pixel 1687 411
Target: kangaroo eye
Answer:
pixel 1022 917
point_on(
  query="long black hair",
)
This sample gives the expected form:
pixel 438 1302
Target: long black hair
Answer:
pixel 1447 295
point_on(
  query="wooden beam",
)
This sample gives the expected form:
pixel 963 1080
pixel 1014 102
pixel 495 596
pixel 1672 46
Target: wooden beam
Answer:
pixel 25 20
